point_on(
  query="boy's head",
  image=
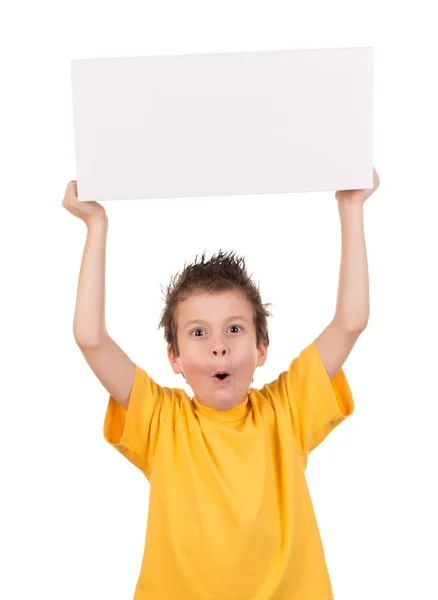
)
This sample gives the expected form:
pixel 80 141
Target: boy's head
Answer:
pixel 214 320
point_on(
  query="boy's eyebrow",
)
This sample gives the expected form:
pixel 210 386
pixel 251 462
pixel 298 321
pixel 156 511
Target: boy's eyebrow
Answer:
pixel 233 318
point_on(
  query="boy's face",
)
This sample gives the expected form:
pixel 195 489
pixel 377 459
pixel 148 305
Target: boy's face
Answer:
pixel 216 332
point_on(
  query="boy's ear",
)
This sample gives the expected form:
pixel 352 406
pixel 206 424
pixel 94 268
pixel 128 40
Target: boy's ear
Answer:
pixel 174 361
pixel 262 353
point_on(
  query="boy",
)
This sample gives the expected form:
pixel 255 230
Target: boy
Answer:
pixel 230 516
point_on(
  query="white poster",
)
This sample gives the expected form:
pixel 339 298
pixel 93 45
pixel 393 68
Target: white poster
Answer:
pixel 223 124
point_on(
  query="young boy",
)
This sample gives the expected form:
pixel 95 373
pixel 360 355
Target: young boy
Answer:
pixel 230 516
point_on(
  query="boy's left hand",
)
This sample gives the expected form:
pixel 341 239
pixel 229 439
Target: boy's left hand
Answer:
pixel 358 196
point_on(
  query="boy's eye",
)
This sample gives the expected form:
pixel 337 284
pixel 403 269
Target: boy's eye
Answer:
pixel 195 330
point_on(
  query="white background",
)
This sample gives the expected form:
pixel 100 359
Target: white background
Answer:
pixel 73 511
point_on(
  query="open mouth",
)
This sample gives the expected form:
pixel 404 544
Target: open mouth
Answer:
pixel 222 376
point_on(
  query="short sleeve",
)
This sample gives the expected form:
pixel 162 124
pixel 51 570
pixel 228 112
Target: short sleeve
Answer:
pixel 316 404
pixel 134 432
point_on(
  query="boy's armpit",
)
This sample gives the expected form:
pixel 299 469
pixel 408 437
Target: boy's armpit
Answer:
pixel 113 368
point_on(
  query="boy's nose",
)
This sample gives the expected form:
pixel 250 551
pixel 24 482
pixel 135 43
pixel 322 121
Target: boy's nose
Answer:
pixel 222 352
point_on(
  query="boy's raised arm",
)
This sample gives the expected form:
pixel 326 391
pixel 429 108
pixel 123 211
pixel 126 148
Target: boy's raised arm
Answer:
pixel 89 326
pixel 114 369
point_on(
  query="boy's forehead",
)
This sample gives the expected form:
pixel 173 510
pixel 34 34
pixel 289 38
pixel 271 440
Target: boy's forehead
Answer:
pixel 208 307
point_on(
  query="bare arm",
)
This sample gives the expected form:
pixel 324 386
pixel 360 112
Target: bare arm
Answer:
pixel 89 326
pixel 114 369
pixel 111 365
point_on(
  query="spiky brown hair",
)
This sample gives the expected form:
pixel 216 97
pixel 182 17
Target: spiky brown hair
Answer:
pixel 224 271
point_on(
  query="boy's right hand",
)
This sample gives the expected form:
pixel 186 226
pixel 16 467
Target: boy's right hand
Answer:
pixel 87 211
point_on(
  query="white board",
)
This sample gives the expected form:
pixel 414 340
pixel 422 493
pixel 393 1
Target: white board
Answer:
pixel 223 124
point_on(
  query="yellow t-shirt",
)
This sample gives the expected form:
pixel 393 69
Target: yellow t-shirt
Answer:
pixel 230 516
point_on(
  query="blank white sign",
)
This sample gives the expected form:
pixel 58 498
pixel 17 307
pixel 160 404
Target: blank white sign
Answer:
pixel 223 124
